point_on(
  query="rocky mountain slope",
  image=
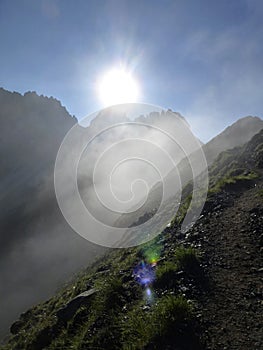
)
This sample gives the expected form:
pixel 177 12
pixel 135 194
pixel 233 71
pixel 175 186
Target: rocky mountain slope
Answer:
pixel 38 250
pixel 199 290
pixel 233 136
pixel 230 235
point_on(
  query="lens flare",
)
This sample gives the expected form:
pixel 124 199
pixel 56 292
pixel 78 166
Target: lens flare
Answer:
pixel 148 292
pixel 152 254
pixel 144 274
pixel 149 296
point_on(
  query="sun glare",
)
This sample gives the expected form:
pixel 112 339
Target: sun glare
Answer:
pixel 117 86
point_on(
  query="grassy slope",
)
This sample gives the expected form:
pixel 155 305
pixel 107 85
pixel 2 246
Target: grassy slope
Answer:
pixel 119 316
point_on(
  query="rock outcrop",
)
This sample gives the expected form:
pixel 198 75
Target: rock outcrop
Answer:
pixel 68 311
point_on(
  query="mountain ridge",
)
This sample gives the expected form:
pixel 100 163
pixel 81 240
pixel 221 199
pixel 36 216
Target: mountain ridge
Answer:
pixel 243 128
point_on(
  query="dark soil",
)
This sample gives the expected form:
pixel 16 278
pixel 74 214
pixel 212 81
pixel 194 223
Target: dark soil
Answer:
pixel 231 235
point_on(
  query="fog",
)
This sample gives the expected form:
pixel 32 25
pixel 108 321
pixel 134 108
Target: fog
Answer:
pixel 114 175
pixel 118 182
pixel 108 170
pixel 38 249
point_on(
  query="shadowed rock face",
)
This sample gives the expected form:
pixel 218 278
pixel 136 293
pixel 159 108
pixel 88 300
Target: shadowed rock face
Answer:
pixel 38 250
pixel 67 312
pixel 32 129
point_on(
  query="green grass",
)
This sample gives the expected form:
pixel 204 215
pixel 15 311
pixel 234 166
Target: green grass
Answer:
pixel 185 204
pixel 187 259
pixel 260 193
pixel 134 329
pixel 111 295
pixel 166 276
pixel 114 318
pixel 170 311
pixel 156 327
pixel 231 180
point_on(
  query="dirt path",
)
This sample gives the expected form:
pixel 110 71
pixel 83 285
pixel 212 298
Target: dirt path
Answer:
pixel 232 308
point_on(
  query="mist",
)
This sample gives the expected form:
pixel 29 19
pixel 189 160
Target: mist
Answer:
pixel 107 170
pixel 39 249
pixel 118 182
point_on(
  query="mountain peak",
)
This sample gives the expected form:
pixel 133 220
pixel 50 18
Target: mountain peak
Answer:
pixel 234 135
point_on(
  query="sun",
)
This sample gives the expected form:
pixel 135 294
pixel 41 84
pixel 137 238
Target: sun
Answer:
pixel 117 86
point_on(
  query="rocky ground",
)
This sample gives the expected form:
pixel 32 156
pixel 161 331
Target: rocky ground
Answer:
pixel 231 237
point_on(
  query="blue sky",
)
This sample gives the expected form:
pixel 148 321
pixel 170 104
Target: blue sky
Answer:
pixel 200 58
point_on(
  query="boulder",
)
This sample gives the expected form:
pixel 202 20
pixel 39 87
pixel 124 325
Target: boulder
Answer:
pixel 67 312
pixel 16 326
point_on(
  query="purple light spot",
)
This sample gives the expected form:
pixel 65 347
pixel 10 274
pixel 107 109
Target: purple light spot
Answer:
pixel 144 273
pixel 148 292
